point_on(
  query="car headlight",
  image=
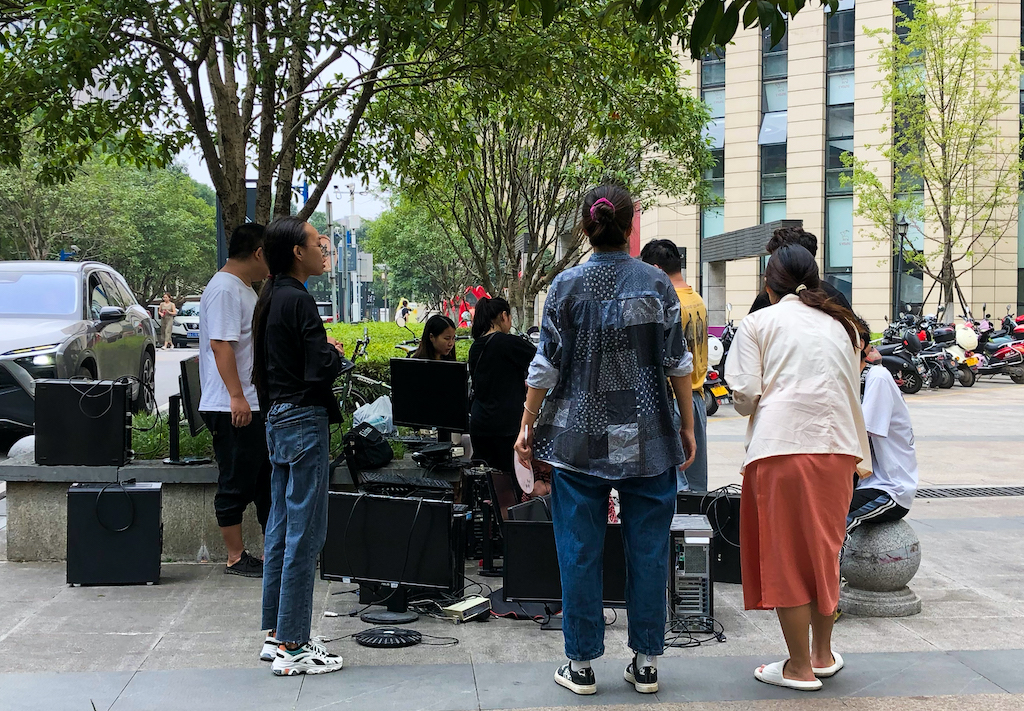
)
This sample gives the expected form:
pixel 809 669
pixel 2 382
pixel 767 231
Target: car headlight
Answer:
pixel 33 350
pixel 47 359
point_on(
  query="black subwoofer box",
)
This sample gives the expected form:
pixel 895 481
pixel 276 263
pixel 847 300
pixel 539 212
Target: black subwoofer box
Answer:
pixel 83 422
pixel 115 533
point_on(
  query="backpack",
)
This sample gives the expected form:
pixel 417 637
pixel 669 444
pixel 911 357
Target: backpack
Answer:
pixel 366 448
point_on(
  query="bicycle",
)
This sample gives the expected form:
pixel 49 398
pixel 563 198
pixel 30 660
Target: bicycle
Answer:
pixel 347 393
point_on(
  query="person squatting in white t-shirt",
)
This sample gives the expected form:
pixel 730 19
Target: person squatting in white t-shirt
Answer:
pixel 885 495
pixel 228 404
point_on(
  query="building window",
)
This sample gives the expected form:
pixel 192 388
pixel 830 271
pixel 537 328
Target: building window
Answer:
pixel 906 12
pixel 712 68
pixel 774 124
pixel 712 220
pixel 773 182
pixel 908 277
pixel 774 59
pixel 841 30
pixel 839 144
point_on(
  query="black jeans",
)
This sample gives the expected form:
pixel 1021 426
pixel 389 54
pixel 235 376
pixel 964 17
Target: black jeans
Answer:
pixel 244 466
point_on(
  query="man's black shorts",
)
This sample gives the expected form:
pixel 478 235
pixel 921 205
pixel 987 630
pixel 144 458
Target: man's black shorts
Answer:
pixel 244 466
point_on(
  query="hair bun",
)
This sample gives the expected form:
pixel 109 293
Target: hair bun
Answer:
pixel 603 210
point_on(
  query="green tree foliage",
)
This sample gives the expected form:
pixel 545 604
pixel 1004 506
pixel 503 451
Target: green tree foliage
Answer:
pixel 953 174
pixel 422 253
pixel 507 167
pixel 279 88
pixel 153 226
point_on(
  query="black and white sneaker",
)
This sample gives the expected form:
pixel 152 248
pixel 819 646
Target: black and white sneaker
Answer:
pixel 645 680
pixel 269 651
pixel 311 658
pixel 578 682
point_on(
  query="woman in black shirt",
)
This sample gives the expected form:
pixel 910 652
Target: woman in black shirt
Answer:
pixel 498 363
pixel 438 340
pixel 294 366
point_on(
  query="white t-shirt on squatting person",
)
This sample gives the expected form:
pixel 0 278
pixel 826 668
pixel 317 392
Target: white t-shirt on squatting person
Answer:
pixel 225 314
pixel 887 419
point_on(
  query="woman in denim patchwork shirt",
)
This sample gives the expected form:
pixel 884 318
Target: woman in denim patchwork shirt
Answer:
pixel 611 341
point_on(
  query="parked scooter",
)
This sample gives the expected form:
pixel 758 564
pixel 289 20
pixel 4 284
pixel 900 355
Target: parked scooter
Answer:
pixel 901 360
pixel 999 354
pixel 716 390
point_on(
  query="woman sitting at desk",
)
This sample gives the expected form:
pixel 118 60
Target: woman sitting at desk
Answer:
pixel 498 363
pixel 438 341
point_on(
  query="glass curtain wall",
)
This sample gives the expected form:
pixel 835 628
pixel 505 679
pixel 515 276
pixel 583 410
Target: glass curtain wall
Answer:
pixel 839 62
pixel 773 135
pixel 712 82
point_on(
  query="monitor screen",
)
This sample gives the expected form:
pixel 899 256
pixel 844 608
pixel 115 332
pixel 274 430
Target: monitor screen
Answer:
pixel 430 393
pixel 531 572
pixel 191 392
pixel 382 539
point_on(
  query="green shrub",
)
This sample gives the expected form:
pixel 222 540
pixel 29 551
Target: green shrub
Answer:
pixel 151 439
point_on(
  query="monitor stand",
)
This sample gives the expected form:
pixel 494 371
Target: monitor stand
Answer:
pixel 396 600
pixel 174 435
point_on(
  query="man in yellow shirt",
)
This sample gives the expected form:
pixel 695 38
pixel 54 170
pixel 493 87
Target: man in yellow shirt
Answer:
pixel 664 254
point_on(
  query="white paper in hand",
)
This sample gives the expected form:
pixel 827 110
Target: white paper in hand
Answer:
pixel 524 472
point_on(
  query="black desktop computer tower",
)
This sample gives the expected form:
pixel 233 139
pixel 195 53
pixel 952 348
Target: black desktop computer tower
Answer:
pixel 83 422
pixel 723 512
pixel 115 533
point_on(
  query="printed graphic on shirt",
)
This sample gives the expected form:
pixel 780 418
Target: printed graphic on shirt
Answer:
pixel 695 332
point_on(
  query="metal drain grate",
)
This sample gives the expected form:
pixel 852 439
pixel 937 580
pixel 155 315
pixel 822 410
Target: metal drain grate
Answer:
pixel 963 492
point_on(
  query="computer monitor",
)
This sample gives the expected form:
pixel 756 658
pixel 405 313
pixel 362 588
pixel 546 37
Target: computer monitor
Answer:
pixel 430 393
pixel 191 394
pixel 391 540
pixel 531 572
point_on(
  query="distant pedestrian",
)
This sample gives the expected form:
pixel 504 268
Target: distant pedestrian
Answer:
pixel 800 236
pixel 794 369
pixel 167 311
pixel 229 404
pixel 295 366
pixel 611 340
pixel 664 254
pixel 498 363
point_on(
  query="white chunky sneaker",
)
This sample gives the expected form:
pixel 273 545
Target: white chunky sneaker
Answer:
pixel 310 658
pixel 269 650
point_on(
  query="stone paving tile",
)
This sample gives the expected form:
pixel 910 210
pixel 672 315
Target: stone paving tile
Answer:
pixel 61 692
pixel 209 689
pixel 424 687
pixel 79 652
pixel 1002 668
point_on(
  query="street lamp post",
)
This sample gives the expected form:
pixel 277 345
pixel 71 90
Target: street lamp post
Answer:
pixel 901 234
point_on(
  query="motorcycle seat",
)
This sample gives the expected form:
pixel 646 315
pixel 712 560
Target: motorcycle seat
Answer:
pixel 992 347
pixel 887 349
pixel 997 334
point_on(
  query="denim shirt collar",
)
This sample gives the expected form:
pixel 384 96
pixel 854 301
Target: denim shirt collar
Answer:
pixel 609 256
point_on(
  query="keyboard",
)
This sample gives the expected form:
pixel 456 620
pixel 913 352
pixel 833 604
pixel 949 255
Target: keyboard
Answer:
pixel 378 479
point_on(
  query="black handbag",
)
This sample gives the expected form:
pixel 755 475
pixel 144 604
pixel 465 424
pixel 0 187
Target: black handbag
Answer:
pixel 366 448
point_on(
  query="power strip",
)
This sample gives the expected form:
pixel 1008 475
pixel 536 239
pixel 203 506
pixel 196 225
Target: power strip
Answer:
pixel 471 608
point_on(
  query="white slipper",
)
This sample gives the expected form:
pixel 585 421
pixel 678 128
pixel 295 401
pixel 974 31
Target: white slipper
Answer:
pixel 826 672
pixel 772 674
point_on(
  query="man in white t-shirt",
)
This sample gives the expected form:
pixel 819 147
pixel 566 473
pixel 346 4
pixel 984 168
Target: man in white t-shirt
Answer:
pixel 885 495
pixel 229 404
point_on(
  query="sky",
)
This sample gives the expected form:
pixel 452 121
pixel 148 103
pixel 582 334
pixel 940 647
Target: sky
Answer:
pixel 368 204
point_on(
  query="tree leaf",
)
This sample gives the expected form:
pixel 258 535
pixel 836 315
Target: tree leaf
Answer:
pixel 673 8
pixel 703 25
pixel 728 24
pixel 750 14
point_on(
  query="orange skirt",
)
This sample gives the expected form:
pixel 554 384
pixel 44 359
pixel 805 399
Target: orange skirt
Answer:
pixel 792 525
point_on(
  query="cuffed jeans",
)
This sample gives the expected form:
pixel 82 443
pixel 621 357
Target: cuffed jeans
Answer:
pixel 695 476
pixel 298 440
pixel 579 509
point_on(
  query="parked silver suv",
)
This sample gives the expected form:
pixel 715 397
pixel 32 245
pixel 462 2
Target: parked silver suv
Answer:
pixel 64 320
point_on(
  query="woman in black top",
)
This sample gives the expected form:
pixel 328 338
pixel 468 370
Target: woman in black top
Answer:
pixel 294 366
pixel 438 339
pixel 497 363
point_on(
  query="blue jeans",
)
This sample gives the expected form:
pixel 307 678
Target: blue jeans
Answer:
pixel 299 443
pixel 579 509
pixel 695 476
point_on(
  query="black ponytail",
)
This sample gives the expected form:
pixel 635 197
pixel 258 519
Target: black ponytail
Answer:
pixel 607 216
pixel 487 312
